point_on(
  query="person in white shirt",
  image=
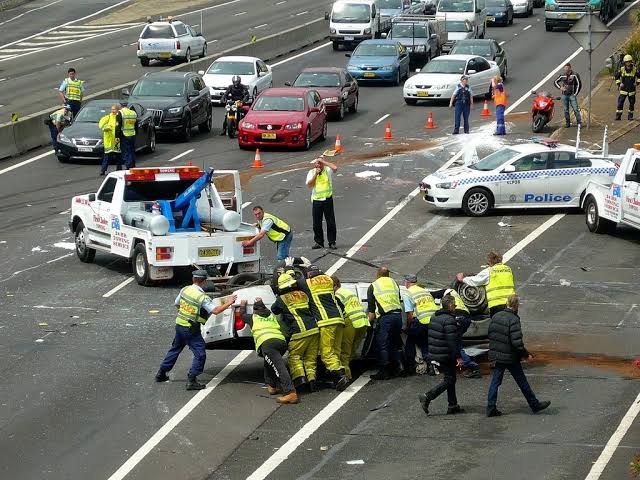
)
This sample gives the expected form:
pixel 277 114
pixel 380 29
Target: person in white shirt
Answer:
pixel 320 180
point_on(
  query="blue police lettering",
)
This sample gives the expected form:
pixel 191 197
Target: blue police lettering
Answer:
pixel 547 197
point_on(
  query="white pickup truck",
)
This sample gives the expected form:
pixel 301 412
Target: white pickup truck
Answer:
pixel 607 205
pixel 170 40
pixel 163 218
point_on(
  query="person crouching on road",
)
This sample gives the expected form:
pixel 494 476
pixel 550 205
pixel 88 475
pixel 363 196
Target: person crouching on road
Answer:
pixel 320 180
pixel 463 317
pixel 507 350
pixel 500 101
pixel 419 307
pixel 129 122
pixel 111 127
pixel 462 98
pixel 275 229
pixel 57 121
pixel 271 345
pixel 194 308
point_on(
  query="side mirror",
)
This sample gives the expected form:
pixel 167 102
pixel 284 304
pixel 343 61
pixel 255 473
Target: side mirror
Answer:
pixel 509 169
pixel 478 10
pixel 433 36
pixel 288 84
pixel 347 85
pixel 383 35
pixel 200 72
pixel 199 34
pixel 471 72
pixel 631 177
pixel 314 110
pixel 347 54
pixel 533 92
pixel 92 197
pixel 326 15
pixel 125 92
pixel 193 93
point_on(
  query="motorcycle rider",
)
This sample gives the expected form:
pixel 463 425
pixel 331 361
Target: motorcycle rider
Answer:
pixel 236 91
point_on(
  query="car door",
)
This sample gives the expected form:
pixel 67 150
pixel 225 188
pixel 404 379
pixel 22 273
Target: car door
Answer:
pixel 631 195
pixel 350 86
pixel 205 97
pixel 497 54
pixel 198 40
pixel 527 185
pixel 98 224
pixel 143 126
pixel 195 102
pixel 312 116
pixel 183 37
pixel 481 80
pixel 568 177
pixel 403 59
pixel 264 76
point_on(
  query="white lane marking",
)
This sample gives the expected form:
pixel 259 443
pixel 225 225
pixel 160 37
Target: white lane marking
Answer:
pixel 17 50
pixel 239 13
pixel 3 79
pixel 174 421
pixel 302 54
pixel 118 287
pixel 181 155
pixel 502 43
pixel 59 258
pixel 285 172
pixel 260 26
pixel 7 56
pixel 69 35
pixel 18 272
pixel 25 162
pixel 29 11
pixel 614 441
pixel 307 430
pixel 51 42
pixel 509 254
pixel 281 2
pixel 64 212
pixel 103 27
pixel 245 205
pixel 302 13
pixel 526 28
pixel 74 60
pixel 515 34
pixel 381 119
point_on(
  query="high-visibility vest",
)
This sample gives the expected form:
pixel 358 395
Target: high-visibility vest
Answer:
pixel 279 229
pixel 297 303
pixel 129 118
pixel 324 306
pixel 387 294
pixel 323 188
pixel 191 299
pixel 501 285
pixel 500 97
pixel 353 310
pixel 74 90
pixel 628 79
pixel 59 116
pixel 460 305
pixel 425 304
pixel 108 126
pixel 265 328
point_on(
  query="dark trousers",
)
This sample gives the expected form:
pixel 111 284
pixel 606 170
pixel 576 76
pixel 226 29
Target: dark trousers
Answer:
pixel 464 322
pixel 320 209
pixel 275 368
pixel 111 158
pixel 461 110
pixel 632 103
pixel 128 145
pixel 191 337
pixel 54 135
pixel 416 338
pixel 518 375
pixel 448 383
pixel 388 339
pixel 75 106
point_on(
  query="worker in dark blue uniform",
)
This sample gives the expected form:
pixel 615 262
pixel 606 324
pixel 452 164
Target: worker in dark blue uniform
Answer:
pixel 462 98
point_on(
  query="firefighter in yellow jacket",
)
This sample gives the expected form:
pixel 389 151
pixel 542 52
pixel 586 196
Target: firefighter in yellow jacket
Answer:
pixel 111 127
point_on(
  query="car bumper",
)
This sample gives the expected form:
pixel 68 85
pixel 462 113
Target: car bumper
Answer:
pixel 562 19
pixel 169 124
pixel 375 75
pixel 71 152
pixel 497 19
pixel 164 55
pixel 421 94
pixel 349 39
pixel 332 107
pixel 441 198
pixel 283 138
pixel 216 94
pixel 520 9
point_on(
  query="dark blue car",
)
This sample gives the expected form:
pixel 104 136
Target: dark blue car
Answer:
pixel 381 60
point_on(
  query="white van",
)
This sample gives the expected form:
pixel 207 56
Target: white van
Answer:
pixel 352 21
pixel 473 11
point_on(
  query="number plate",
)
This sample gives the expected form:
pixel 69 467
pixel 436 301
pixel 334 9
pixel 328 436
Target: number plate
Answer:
pixel 164 55
pixel 208 252
pixel 422 93
pixel 268 136
pixel 369 75
pixel 247 267
pixel 85 149
pixel 572 16
pixel 491 19
pixel 348 39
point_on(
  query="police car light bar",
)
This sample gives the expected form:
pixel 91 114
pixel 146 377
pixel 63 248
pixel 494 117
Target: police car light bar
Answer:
pixel 149 174
pixel 548 142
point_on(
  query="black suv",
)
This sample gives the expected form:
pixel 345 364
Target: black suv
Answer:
pixel 178 101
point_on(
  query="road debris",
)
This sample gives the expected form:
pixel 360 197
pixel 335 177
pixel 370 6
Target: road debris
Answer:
pixel 565 283
pixel 379 407
pixel 502 224
pixel 355 462
pixel 324 448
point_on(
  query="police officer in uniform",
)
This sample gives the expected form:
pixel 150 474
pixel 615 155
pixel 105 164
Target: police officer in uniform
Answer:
pixel 320 180
pixel 627 78
pixel 71 91
pixel 129 122
pixel 57 121
pixel 419 306
pixel 194 308
pixel 275 229
pixel 462 98
pixel 111 127
pixel 236 91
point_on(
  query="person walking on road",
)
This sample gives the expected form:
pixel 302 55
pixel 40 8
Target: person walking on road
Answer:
pixel 444 349
pixel 462 98
pixel 419 307
pixel 129 122
pixel 463 316
pixel 500 102
pixel 507 350
pixel 275 229
pixel 627 77
pixel 194 308
pixel 71 91
pixel 111 127
pixel 57 121
pixel 320 180
pixel 570 85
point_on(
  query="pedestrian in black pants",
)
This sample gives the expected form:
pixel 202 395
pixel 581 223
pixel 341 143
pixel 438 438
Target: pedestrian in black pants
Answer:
pixel 320 180
pixel 444 349
pixel 506 349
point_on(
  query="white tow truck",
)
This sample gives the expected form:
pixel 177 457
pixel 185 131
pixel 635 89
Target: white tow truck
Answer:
pixel 609 204
pixel 167 217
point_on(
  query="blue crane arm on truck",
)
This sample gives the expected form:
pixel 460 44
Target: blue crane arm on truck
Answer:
pixel 185 203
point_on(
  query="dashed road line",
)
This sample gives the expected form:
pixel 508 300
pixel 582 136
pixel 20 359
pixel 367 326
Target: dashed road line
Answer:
pixel 302 13
pixel 74 60
pixel 526 28
pixel 260 26
pixel 281 2
pixel 180 155
pixel 502 43
pixel 239 13
pixel 118 287
pixel 381 119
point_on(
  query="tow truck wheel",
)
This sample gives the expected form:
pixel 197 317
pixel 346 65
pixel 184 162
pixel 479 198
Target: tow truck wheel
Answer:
pixel 476 202
pixel 336 46
pixel 140 265
pixel 595 223
pixel 144 61
pixel 85 254
pixel 244 279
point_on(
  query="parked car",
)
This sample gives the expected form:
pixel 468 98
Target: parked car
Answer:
pixel 253 72
pixel 499 12
pixel 456 30
pixel 523 7
pixel 286 117
pixel 382 60
pixel 170 40
pixel 488 48
pixel 337 88
pixel 82 140
pixel 177 100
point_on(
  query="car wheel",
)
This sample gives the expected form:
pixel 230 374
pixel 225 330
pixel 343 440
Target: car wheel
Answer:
pixel 595 223
pixel 354 108
pixel 185 135
pixel 244 279
pixel 307 139
pixel 62 158
pixel 476 202
pixel 140 265
pixel 335 45
pixel 151 141
pixel 475 298
pixel 207 125
pixel 187 57
pixel 411 101
pixel 144 61
pixel 397 79
pixel 506 71
pixel 548 27
pixel 340 114
pixel 255 92
pixel 323 135
pixel 85 254
pixel 204 51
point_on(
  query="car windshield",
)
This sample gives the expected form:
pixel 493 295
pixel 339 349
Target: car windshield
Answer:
pixel 389 4
pixel 457 26
pixel 158 31
pixel 152 191
pixel 315 79
pixel 471 49
pixel 375 50
pixel 351 13
pixel 444 66
pixel 92 113
pixel 496 3
pixel 409 30
pixel 231 68
pixel 271 103
pixel 455 6
pixel 150 87
pixel 496 159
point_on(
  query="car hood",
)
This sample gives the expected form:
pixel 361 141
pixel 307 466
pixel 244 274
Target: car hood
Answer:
pixel 328 91
pixel 223 81
pixel 276 118
pixel 158 102
pixel 371 61
pixel 83 130
pixel 407 41
pixel 453 174
pixel 433 79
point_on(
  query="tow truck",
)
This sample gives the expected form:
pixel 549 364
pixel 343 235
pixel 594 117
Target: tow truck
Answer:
pixel 164 218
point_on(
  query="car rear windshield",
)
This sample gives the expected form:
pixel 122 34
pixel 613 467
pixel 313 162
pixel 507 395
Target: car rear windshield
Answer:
pixel 152 191
pixel 269 103
pixel 389 4
pixel 231 68
pixel 375 50
pixel 351 13
pixel 92 113
pixel 309 79
pixel 493 161
pixel 455 6
pixel 466 49
pixel 157 31
pixel 444 66
pixel 457 26
pixel 150 87
pixel 409 31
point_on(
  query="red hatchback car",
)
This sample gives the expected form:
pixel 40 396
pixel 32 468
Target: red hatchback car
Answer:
pixel 285 117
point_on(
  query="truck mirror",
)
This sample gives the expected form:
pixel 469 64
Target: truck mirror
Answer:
pixel 326 15
pixel 434 36
pixel 92 197
pixel 631 177
pixel 200 72
pixel 383 35
pixel 125 92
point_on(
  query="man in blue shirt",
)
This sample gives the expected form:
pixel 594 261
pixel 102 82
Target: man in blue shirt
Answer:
pixel 71 91
pixel 462 98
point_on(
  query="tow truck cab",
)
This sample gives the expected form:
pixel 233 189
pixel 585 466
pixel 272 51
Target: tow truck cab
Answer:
pixel 565 13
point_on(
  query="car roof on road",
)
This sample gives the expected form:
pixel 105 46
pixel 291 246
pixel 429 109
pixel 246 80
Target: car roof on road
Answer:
pixel 168 75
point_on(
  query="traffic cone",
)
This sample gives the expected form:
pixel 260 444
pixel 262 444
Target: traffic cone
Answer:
pixel 338 147
pixel 485 110
pixel 387 131
pixel 430 123
pixel 257 161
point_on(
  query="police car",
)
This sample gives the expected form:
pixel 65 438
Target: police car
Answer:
pixel 531 175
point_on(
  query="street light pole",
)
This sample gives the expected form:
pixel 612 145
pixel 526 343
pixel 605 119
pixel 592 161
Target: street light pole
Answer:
pixel 589 50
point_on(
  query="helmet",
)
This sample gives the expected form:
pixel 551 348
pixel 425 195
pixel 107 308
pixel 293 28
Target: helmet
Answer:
pixel 627 58
pixel 286 280
pixel 236 80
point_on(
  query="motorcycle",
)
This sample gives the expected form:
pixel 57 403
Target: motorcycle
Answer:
pixel 233 111
pixel 542 110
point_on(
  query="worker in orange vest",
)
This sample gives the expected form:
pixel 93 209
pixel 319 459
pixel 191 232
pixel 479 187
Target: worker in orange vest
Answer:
pixel 500 101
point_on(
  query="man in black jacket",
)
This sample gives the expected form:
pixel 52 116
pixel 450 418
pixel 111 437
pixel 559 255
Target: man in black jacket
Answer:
pixel 569 84
pixel 444 349
pixel 506 348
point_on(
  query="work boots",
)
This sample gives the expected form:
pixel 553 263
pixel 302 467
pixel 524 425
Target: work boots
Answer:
pixel 618 115
pixel 273 390
pixel 424 402
pixel 342 382
pixel 312 386
pixel 541 406
pixel 472 373
pixel 454 409
pixel 162 376
pixel 291 397
pixel 630 116
pixel 382 374
pixel 300 381
pixel 193 384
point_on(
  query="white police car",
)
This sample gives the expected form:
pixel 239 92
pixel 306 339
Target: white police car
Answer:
pixel 531 175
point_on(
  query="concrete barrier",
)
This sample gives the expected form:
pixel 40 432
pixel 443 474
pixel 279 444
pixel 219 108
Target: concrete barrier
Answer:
pixel 30 132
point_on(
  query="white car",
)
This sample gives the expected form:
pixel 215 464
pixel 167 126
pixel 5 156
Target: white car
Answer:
pixel 530 175
pixel 522 7
pixel 170 40
pixel 255 74
pixel 439 78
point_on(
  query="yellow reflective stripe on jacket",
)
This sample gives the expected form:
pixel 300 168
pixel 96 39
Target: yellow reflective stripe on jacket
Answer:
pixel 324 301
pixel 191 299
pixel 460 305
pixel 278 231
pixel 323 188
pixel 425 304
pixel 73 90
pixel 108 126
pixel 352 308
pixel 128 122
pixel 265 328
pixel 501 285
pixel 387 294
pixel 297 301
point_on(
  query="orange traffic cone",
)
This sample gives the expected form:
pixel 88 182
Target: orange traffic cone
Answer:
pixel 338 147
pixel 257 161
pixel 387 131
pixel 485 110
pixel 430 123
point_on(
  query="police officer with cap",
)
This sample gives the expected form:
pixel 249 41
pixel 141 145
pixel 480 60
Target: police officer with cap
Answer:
pixel 462 98
pixel 194 308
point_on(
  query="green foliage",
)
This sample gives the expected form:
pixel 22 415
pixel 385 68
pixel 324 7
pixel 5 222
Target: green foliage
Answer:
pixel 632 46
pixel 634 467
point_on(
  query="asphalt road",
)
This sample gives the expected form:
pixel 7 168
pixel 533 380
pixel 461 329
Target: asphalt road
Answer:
pixel 78 397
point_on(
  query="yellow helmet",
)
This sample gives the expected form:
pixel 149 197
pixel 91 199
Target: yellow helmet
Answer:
pixel 627 58
pixel 286 280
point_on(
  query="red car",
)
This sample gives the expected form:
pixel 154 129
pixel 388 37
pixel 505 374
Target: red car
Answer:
pixel 338 89
pixel 286 117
